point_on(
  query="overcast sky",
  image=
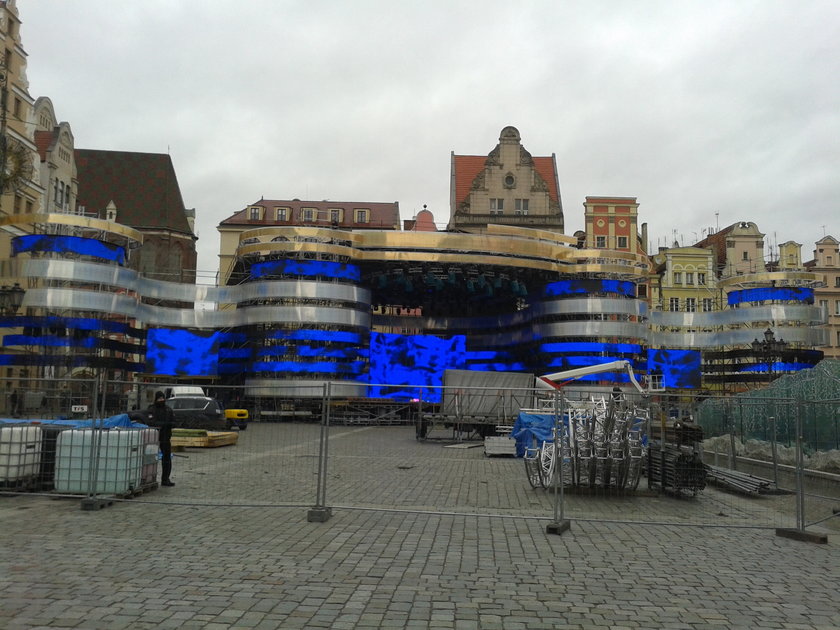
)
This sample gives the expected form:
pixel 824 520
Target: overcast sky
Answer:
pixel 708 112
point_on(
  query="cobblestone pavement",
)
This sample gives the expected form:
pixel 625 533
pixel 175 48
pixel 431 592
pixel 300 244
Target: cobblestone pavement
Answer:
pixel 145 564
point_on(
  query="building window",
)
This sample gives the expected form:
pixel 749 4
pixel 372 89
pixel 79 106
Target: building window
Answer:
pixel 497 206
pixel 18 203
pixel 824 307
pixel 838 338
pixel 521 206
pixel 689 277
pixel 641 291
pixel 254 214
pixel 307 215
pixel 745 256
pixel 837 282
pixel 674 304
pixel 600 242
pixel 282 214
pixel 335 216
pixel 678 277
pixel 622 242
pixel 17 108
pixel 837 307
pixel 707 305
pixel 701 279
pixel 690 304
pixel 361 215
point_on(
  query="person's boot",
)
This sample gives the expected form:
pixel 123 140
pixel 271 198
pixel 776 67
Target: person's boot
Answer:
pixel 166 482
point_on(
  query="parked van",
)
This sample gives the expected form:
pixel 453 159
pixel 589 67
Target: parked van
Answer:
pixel 183 390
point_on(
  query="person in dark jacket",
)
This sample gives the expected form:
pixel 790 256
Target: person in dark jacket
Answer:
pixel 163 419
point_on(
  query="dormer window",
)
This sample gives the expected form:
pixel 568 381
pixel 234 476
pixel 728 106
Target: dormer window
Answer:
pixel 361 215
pixel 254 213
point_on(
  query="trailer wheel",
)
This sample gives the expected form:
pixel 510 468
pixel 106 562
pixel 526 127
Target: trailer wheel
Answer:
pixel 532 467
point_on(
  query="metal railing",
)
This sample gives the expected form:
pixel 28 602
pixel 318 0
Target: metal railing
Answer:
pixel 755 465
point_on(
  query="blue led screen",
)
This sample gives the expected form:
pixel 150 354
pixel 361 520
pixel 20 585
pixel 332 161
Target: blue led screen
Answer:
pixel 410 362
pixel 182 352
pixel 67 245
pixel 680 369
pixel 784 294
pixel 325 268
pixel 778 366
pixel 573 286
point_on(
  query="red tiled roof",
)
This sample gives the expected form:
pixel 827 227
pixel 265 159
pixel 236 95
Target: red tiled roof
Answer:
pixel 143 186
pixel 382 215
pixel 717 243
pixel 468 167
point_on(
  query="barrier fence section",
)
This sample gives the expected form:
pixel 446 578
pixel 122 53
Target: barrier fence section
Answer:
pixel 581 455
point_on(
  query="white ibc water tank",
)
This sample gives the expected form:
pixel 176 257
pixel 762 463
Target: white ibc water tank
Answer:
pixel 20 452
pixel 114 458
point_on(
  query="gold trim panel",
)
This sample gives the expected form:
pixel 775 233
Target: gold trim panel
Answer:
pixel 74 220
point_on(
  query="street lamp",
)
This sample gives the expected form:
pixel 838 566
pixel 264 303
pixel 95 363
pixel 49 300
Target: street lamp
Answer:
pixel 769 348
pixel 10 299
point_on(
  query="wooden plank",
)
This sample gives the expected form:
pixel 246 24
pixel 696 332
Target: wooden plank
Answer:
pixel 211 440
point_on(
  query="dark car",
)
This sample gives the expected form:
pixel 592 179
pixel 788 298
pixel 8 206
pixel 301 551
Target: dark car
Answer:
pixel 197 412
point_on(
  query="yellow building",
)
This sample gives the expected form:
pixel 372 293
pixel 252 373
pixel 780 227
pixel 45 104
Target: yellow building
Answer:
pixel 687 280
pixel 21 192
pixel 826 264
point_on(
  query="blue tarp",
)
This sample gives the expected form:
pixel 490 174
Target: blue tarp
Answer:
pixel 531 428
pixel 120 421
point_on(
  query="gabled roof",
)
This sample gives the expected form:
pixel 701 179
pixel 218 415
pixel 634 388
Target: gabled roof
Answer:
pixel 143 186
pixel 468 167
pixel 382 215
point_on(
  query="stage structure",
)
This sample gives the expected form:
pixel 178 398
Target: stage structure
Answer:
pixel 379 314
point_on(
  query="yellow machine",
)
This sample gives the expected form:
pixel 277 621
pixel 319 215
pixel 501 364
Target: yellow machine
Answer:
pixel 236 418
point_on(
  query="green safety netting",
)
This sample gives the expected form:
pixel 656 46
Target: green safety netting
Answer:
pixel 814 394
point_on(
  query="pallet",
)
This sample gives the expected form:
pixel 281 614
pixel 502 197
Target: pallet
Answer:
pixel 211 440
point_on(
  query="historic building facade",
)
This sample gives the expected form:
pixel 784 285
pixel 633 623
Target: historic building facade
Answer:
pixel 506 187
pixel 56 150
pixel 826 264
pixel 265 213
pixel 20 189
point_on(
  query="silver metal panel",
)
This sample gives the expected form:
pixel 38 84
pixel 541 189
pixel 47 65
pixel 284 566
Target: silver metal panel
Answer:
pixel 83 300
pixel 130 280
pixel 280 388
pixel 76 271
pixel 736 316
pixel 807 336
pixel 590 305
